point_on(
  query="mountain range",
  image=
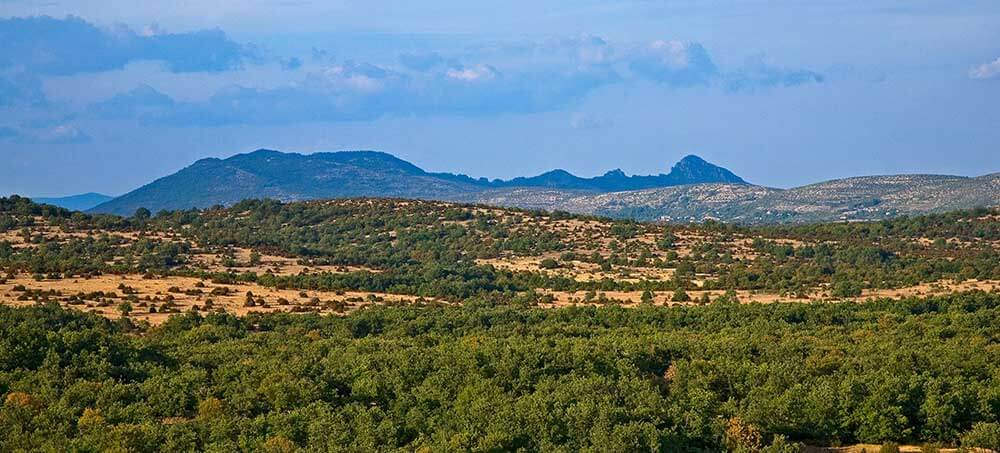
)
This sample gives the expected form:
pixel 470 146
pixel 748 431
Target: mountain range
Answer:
pixel 693 190
pixel 291 176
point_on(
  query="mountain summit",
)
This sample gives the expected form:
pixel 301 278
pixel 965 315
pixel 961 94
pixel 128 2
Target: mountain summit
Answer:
pixel 694 168
pixel 291 176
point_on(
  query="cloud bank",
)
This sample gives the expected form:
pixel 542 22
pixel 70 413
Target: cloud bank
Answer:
pixel 49 46
pixel 506 79
pixel 531 78
pixel 361 91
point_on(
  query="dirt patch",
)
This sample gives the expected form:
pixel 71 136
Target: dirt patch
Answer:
pixel 872 448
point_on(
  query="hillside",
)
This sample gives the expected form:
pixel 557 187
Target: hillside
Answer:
pixel 289 177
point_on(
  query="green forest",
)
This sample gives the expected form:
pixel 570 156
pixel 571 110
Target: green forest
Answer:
pixel 488 377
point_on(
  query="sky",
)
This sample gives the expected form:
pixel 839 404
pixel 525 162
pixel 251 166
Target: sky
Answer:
pixel 105 96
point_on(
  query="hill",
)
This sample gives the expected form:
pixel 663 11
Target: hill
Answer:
pixel 80 202
pixel 287 177
pixel 290 176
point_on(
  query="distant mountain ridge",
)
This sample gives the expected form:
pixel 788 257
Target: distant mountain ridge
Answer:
pixel 850 199
pixel 689 170
pixel 80 202
pixel 693 190
pixel 291 176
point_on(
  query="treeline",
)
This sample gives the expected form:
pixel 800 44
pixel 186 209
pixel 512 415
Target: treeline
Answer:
pixel 485 377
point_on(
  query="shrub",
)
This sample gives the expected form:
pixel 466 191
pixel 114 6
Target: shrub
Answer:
pixel 983 435
pixel 889 447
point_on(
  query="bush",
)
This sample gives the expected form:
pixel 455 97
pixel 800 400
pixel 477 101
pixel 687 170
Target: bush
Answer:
pixel 889 447
pixel 548 263
pixel 780 444
pixel 983 435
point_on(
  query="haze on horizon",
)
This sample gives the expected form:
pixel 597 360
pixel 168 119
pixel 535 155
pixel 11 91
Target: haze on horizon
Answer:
pixel 105 96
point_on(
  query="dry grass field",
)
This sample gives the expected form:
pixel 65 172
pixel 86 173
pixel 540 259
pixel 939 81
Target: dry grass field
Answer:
pixel 156 299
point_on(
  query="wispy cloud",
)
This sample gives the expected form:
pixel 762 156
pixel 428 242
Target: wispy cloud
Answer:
pixel 63 134
pixel 759 73
pixel 984 71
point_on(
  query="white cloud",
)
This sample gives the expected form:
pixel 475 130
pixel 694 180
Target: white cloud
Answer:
pixel 672 53
pixel 986 70
pixel 356 77
pixel 473 73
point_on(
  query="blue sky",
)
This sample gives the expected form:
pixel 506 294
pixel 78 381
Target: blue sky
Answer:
pixel 108 95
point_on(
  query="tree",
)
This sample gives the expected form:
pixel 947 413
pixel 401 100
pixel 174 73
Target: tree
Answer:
pixel 666 241
pixel 142 214
pixel 680 295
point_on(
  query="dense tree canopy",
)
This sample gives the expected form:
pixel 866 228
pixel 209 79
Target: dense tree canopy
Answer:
pixel 486 377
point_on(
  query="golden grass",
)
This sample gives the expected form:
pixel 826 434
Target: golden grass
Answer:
pixel 158 289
